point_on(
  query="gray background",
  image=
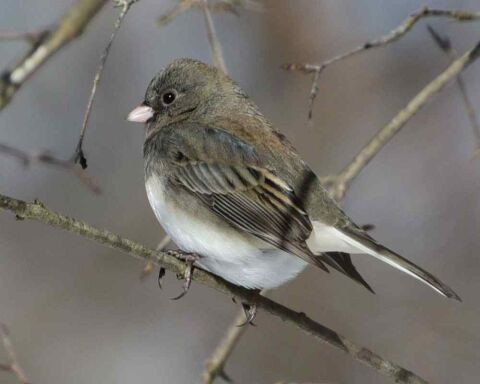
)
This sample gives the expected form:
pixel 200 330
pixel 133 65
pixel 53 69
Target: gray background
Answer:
pixel 78 312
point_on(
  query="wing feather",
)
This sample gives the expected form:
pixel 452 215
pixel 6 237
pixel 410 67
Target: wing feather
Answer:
pixel 253 199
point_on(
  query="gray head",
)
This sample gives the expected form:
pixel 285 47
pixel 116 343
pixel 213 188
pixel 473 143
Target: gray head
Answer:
pixel 186 89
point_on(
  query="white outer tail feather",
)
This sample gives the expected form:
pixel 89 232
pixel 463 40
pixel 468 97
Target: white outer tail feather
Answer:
pixel 387 260
pixel 327 238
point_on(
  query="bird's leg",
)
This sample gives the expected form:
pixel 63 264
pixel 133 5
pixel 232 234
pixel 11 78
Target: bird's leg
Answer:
pixel 190 259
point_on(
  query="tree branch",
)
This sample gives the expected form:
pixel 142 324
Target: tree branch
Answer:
pixel 337 184
pixel 215 365
pixel 445 45
pixel 12 366
pixel 47 159
pixel 79 155
pixel 170 261
pixel 217 55
pixel 224 6
pixel 70 27
pixel 390 37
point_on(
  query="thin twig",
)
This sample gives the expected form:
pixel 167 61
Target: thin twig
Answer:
pixel 70 27
pixel 215 365
pixel 12 366
pixel 171 262
pixel 390 37
pixel 184 5
pixel 47 159
pixel 337 184
pixel 215 46
pixel 445 45
pixel 79 155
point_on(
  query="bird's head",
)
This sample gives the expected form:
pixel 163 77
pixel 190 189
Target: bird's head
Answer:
pixel 186 89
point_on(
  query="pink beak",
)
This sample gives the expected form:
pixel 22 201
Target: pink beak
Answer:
pixel 140 114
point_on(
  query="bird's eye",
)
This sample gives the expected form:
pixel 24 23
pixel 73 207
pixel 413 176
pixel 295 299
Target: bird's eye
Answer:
pixel 169 97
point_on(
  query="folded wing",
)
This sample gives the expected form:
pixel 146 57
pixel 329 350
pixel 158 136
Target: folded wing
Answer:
pixel 254 200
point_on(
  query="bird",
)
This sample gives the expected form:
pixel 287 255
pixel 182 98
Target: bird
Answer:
pixel 234 194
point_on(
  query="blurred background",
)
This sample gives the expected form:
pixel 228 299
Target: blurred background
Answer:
pixel 78 312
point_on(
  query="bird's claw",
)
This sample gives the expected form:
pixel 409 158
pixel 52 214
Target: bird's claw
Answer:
pixel 190 259
pixel 161 274
pixel 250 313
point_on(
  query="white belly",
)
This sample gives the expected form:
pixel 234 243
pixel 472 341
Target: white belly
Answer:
pixel 239 258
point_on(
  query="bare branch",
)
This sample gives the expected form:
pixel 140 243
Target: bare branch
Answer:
pixel 337 184
pixel 206 7
pixel 390 37
pixel 215 365
pixel 47 159
pixel 70 27
pixel 170 261
pixel 79 155
pixel 215 46
pixel 445 45
pixel 12 366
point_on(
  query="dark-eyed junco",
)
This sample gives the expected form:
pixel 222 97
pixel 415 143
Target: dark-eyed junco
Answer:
pixel 229 188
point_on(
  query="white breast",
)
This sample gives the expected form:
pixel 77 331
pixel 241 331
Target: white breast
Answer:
pixel 239 258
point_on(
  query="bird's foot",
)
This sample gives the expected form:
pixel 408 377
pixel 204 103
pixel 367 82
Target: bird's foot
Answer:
pixel 250 311
pixel 190 259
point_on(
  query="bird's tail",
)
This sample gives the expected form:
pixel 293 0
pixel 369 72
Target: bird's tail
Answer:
pixel 366 244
